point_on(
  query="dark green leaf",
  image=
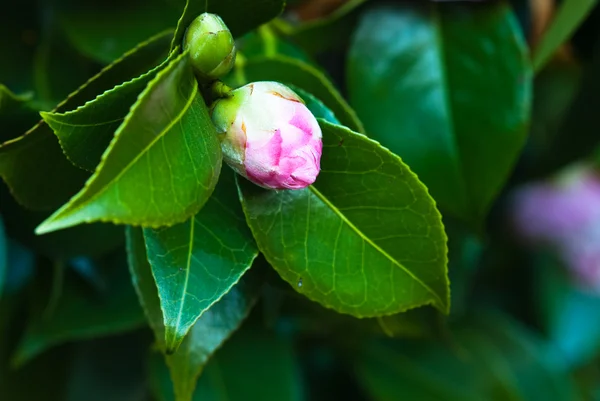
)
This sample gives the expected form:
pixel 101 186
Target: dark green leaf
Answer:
pixel 85 133
pixel 196 262
pixel 3 257
pixel 104 30
pixel 34 166
pixel 16 115
pixel 295 72
pixel 366 239
pixel 570 15
pixel 162 164
pixel 240 16
pixel 209 333
pixel 490 359
pixel 448 88
pixel 79 314
pixel 254 365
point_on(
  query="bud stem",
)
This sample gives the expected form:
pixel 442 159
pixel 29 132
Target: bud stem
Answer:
pixel 219 90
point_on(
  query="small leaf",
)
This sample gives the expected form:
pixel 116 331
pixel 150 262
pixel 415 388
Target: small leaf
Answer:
pixel 33 164
pixel 570 16
pixel 297 73
pixel 196 262
pixel 448 88
pixel 366 239
pixel 254 365
pixel 79 315
pixel 209 333
pixel 162 164
pixel 85 133
pixel 241 16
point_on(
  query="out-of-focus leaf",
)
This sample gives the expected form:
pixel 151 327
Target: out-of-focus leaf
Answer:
pixel 570 15
pixel 80 314
pixel 86 240
pixel 16 114
pixel 104 30
pixel 94 375
pixel 569 314
pixel 448 88
pixel 3 256
pixel 264 42
pixel 254 365
pixel 197 262
pixel 366 239
pixel 304 76
pixel 491 359
pixel 161 166
pixel 19 268
pixel 241 16
pixel 34 166
pixel 85 133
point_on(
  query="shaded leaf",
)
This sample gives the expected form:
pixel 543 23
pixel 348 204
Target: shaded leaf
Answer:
pixel 34 166
pixel 85 133
pixel 16 114
pixel 196 262
pixel 448 88
pixel 491 359
pixel 161 166
pixel 299 74
pixel 254 365
pixel 240 16
pixel 3 257
pixel 366 239
pixel 79 314
pixel 571 14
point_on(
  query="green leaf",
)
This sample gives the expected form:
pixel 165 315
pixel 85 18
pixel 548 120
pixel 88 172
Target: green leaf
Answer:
pixel 78 314
pixel 196 262
pixel 34 166
pixel 104 30
pixel 241 16
pixel 209 333
pixel 366 239
pixel 16 113
pixel 162 164
pixel 3 257
pixel 570 16
pixel 316 107
pixel 254 365
pixel 295 72
pixel 85 133
pixel 448 88
pixel 501 360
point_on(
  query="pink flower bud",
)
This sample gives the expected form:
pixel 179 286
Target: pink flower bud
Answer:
pixel 269 136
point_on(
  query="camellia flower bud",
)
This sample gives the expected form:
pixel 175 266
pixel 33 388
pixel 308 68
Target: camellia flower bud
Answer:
pixel 269 135
pixel 211 46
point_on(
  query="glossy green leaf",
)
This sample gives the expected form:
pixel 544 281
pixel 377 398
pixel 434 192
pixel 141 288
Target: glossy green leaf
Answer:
pixel 209 333
pixel 448 88
pixel 366 239
pixel 161 166
pixel 85 133
pixel 295 72
pixel 491 358
pixel 34 166
pixel 81 314
pixel 104 30
pixel 316 107
pixel 570 16
pixel 254 365
pixel 196 262
pixel 240 16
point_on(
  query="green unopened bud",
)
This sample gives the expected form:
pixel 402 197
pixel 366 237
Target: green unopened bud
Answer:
pixel 211 46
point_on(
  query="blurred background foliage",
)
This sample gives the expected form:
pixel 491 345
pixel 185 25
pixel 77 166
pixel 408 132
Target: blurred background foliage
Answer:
pixel 522 326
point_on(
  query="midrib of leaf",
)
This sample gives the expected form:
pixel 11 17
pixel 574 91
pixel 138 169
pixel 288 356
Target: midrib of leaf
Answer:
pixel 50 116
pixel 445 76
pixel 173 332
pixel 42 228
pixel 372 244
